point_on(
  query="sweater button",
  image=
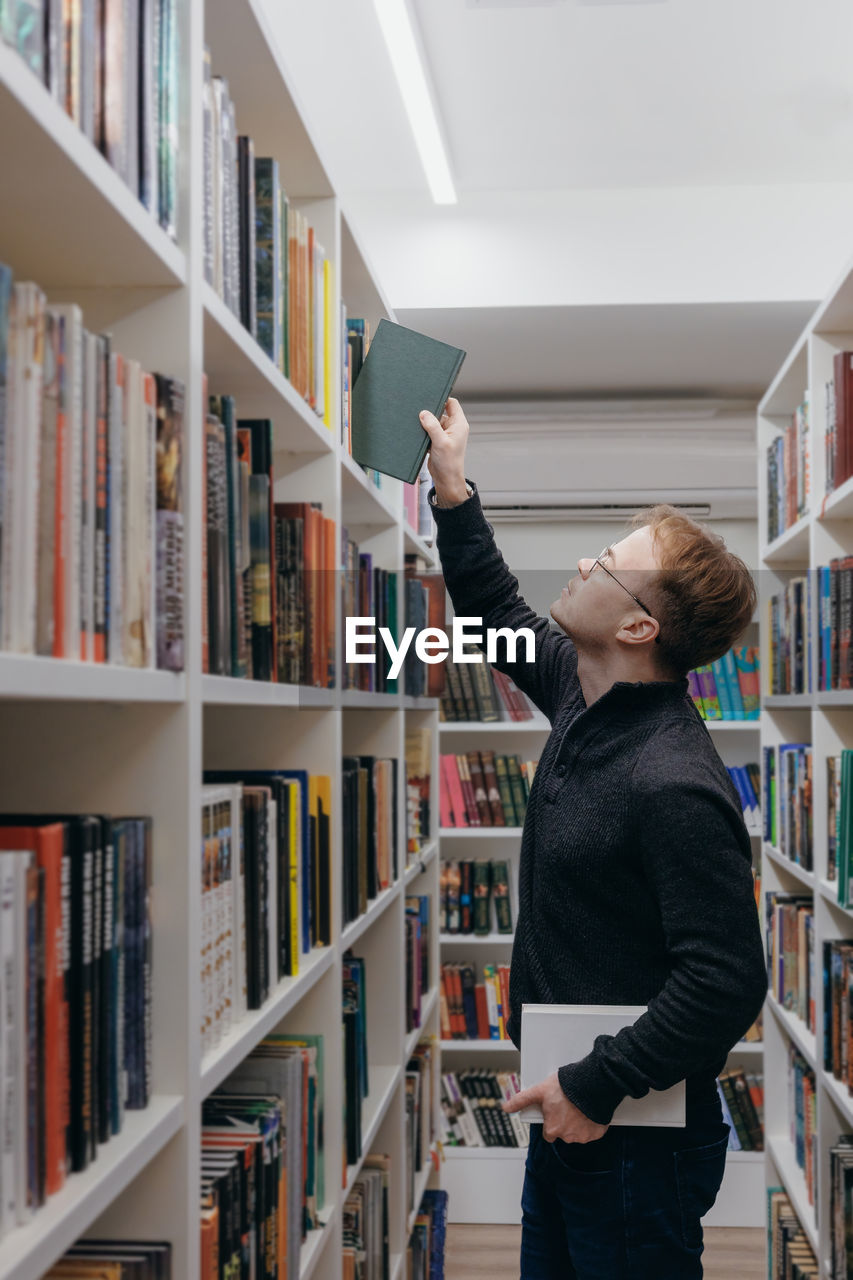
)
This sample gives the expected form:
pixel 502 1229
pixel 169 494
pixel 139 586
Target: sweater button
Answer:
pixel 560 771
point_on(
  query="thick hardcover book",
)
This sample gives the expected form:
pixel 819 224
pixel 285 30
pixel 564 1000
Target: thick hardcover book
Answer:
pixel 268 256
pixel 403 373
pixel 248 274
pixel 170 524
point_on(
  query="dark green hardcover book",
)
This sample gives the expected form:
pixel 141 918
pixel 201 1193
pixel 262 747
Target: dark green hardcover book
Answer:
pixel 484 692
pixel 223 408
pixel 466 688
pixel 246 198
pixel 482 895
pixel 268 255
pixel 403 373
pixel 283 356
pixel 516 782
pixel 500 893
pixel 502 771
pixel 218 603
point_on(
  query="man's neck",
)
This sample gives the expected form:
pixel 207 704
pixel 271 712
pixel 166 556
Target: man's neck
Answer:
pixel 598 672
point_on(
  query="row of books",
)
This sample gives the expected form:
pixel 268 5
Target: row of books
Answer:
pixel 788 801
pixel 472 1010
pixel 802 1117
pixel 838 423
pixel 265 880
pixel 482 789
pixel 789 627
pixel 369 591
pixel 475 691
pixel 788 474
pixel 356 1071
pixel 730 688
pixel 418 968
pixel 262 1166
pixel 837 1046
pixel 742 1099
pixel 841 1207
pixel 268 567
pixel 835 620
pixel 420 1080
pixel 365 1224
pixel 370 857
pixel 425 606
pixel 262 256
pixel 91 518
pixel 75 993
pixel 113 67
pixel 418 746
pixel 114 1260
pixel 468 890
pixel 425 1249
pixel 789 932
pixel 472 1115
pixel 789 1254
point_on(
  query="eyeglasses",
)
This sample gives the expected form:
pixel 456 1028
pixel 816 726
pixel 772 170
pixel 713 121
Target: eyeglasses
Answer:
pixel 599 560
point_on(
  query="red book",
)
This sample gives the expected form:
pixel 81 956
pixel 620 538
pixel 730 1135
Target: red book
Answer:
pixel 482 1011
pixel 478 781
pixel 452 788
pixel 503 979
pixel 48 845
pixel 468 791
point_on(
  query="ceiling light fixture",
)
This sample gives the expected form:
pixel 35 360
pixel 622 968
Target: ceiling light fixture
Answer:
pixel 401 37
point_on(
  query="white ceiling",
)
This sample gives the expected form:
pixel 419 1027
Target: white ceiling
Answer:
pixel 546 105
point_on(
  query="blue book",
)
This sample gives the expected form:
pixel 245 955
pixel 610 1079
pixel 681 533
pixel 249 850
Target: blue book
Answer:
pixel 825 629
pixel 722 690
pixel 735 697
pixel 734 1140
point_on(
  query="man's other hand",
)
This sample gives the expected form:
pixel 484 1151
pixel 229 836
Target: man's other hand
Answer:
pixel 561 1118
pixel 446 460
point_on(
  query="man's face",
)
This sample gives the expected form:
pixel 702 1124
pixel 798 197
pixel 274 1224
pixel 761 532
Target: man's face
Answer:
pixel 592 607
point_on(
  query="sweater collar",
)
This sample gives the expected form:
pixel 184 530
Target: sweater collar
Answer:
pixel 636 694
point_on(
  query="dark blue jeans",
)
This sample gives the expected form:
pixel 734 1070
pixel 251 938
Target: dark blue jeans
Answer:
pixel 626 1207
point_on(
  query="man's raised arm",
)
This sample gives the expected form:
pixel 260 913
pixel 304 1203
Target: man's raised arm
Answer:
pixel 478 579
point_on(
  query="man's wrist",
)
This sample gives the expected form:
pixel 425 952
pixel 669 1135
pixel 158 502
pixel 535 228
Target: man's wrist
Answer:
pixel 452 495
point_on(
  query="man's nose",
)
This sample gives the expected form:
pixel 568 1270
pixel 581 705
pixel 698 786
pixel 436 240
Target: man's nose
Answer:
pixel 585 566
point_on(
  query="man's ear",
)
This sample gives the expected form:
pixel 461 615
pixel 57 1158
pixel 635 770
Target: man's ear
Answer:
pixel 638 630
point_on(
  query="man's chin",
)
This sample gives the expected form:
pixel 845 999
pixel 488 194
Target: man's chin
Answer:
pixel 557 614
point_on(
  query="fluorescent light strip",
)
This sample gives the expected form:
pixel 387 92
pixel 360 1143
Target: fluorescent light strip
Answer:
pixel 409 69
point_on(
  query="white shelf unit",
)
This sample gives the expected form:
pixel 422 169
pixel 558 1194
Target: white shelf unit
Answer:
pixel 84 738
pixel 826 720
pixel 484 1184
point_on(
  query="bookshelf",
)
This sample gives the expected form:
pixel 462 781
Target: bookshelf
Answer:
pixel 80 737
pixel 485 1183
pixel 824 718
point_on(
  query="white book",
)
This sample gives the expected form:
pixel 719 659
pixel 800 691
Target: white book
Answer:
pixel 71 462
pixel 555 1034
pixel 26 424
pixel 239 998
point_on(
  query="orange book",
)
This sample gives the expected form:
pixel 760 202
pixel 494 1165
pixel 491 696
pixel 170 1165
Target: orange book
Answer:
pixel 48 845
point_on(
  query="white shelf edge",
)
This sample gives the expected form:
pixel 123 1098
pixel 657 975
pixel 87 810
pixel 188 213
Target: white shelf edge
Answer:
pixel 413 543
pixel 369 700
pixel 419 702
pixel 424 858
pixel 392 1079
pixel 468 833
pixel 775 552
pixel 804 1039
pixel 781 1152
pixel 536 724
pixel 356 928
pixel 312 1246
pixel 752 1048
pixel 417 1033
pixel 478 1046
pixel 838 1092
pixel 28 1251
pixel 421 1180
pixel 806 878
pixel 475 939
pixel 385 513
pixel 230 691
pixel 829 889
pixel 745 1157
pixel 742 726
pixel 24 676
pixel 485 1153
pixel 250 1031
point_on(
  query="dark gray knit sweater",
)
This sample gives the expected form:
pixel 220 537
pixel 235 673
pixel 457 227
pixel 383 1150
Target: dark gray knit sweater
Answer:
pixel 635 884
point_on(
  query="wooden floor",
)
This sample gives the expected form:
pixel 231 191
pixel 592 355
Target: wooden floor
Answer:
pixel 731 1253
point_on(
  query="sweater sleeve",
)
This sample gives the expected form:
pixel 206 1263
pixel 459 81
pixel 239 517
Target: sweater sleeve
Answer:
pixel 695 853
pixel 481 586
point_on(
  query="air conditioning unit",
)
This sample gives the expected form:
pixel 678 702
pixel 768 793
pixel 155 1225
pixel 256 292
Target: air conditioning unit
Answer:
pixel 551 508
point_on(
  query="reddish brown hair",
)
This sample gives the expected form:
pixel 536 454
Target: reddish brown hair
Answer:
pixel 704 595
